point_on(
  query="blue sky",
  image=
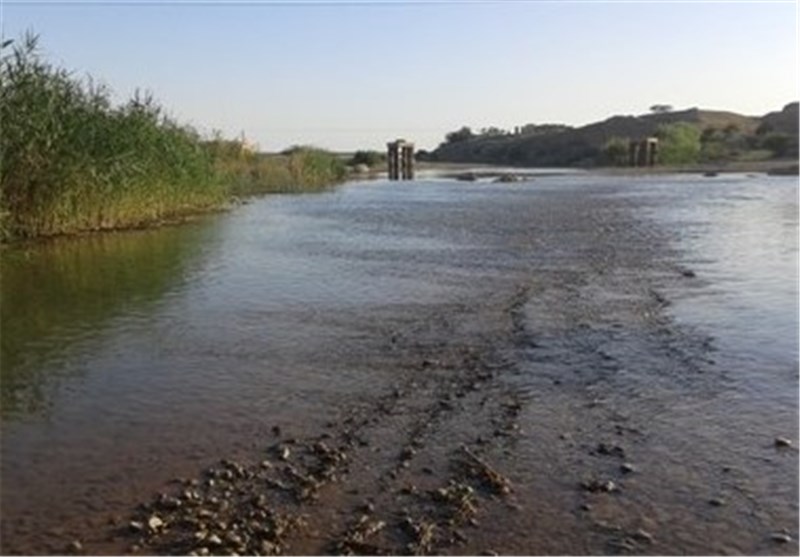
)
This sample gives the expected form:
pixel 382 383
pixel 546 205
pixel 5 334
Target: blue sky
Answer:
pixel 354 75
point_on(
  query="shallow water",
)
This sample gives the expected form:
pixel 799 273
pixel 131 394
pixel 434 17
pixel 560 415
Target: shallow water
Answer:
pixel 128 359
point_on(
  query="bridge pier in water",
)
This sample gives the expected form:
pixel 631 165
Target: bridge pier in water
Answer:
pixel 643 152
pixel 400 160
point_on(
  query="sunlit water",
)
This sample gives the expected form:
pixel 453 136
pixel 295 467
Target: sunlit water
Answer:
pixel 127 358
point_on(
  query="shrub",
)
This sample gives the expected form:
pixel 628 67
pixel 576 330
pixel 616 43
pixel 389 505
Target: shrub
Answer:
pixel 679 143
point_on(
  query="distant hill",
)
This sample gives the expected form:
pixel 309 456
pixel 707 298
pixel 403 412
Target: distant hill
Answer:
pixel 785 121
pixel 583 146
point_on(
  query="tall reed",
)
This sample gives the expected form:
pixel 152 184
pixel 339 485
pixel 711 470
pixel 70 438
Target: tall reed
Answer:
pixel 70 161
pixel 299 169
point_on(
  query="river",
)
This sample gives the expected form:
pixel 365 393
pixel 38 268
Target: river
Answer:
pixel 572 329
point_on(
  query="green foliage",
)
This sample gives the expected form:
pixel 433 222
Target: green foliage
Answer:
pixel 679 143
pixel 493 131
pixel 615 152
pixel 369 158
pixel 463 134
pixel 543 129
pixel 661 108
pixel 69 161
pixel 780 144
pixel 72 162
pixel 296 169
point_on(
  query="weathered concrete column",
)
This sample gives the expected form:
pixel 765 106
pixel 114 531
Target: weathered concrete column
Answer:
pixel 400 160
pixel 652 151
pixel 643 152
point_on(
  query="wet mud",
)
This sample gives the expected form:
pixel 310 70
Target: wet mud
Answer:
pixel 556 408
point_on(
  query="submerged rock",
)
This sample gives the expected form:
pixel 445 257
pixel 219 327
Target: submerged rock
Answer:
pixel 780 537
pixel 783 442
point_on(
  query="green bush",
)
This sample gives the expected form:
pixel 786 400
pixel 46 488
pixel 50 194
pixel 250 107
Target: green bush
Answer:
pixel 616 152
pixel 369 158
pixel 297 169
pixel 679 143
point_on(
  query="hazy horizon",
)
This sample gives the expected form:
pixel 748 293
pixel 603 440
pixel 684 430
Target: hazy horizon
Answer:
pixel 351 75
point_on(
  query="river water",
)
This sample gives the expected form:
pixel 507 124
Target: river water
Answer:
pixel 656 314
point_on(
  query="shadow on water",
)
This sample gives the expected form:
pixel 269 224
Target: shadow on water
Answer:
pixel 56 297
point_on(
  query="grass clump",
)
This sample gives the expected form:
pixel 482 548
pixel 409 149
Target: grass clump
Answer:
pixel 298 169
pixel 70 161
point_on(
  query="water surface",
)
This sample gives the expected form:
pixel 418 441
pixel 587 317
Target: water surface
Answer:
pixel 131 358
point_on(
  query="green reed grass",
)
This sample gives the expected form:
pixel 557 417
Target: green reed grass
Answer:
pixel 299 169
pixel 72 162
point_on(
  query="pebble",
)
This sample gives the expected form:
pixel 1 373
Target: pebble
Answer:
pixel 780 537
pixel 609 486
pixel 627 468
pixel 213 539
pixel 154 522
pixel 136 526
pixel 782 442
pixel 643 535
pixel 716 502
pixel 75 546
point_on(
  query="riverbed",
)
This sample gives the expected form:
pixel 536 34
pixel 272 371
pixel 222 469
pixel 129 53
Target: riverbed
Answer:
pixel 622 351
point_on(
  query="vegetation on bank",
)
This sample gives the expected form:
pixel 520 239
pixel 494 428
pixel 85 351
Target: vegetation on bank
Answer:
pixel 297 169
pixel 71 161
pixel 686 137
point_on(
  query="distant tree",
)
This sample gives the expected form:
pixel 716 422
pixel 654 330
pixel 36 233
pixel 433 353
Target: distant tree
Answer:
pixel 764 128
pixel 369 158
pixel 661 108
pixel 492 131
pixel 543 129
pixel 615 151
pixel 679 143
pixel 463 134
pixel 424 155
pixel 779 143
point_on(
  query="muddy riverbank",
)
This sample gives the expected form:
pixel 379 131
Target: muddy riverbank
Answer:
pixel 429 367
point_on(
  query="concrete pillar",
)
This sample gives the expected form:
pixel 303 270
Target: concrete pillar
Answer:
pixel 400 160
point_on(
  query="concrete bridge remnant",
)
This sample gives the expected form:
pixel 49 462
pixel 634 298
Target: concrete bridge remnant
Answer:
pixel 400 160
pixel 643 152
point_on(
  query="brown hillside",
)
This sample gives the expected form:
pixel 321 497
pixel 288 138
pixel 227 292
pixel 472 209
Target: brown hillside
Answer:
pixel 784 121
pixel 582 146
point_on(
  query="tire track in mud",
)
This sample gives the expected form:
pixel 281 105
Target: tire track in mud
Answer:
pixel 407 472
pixel 525 422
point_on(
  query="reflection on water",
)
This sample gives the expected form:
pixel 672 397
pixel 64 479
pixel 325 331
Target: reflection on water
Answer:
pixel 59 295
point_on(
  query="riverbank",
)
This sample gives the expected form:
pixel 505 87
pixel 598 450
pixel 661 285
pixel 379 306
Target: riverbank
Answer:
pixel 785 167
pixel 778 167
pixel 73 162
